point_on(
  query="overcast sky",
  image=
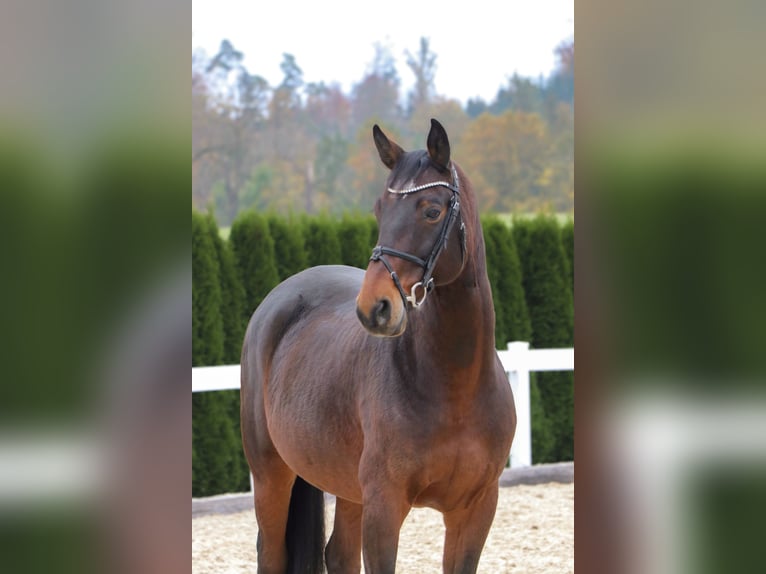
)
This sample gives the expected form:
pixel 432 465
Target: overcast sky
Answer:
pixel 479 44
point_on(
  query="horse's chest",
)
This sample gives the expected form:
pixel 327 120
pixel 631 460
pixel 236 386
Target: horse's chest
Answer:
pixel 455 468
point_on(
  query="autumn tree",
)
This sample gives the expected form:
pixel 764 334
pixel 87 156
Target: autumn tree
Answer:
pixel 376 97
pixel 224 147
pixel 450 114
pixel 423 66
pixel 328 110
pixel 306 147
pixel 520 94
pixel 561 82
pixel 366 172
pixel 507 157
pixel 291 147
pixel 560 164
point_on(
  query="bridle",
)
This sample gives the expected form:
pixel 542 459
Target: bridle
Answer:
pixel 426 284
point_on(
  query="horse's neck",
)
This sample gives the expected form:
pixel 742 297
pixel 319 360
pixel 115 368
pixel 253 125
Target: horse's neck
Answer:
pixel 456 331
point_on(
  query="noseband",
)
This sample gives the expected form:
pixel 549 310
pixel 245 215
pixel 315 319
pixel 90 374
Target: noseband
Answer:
pixel 426 284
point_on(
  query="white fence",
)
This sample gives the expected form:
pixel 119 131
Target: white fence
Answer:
pixel 519 360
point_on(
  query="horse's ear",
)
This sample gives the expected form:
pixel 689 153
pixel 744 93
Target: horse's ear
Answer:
pixel 388 150
pixel 438 144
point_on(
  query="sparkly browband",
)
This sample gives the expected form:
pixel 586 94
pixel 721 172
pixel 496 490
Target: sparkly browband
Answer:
pixel 453 186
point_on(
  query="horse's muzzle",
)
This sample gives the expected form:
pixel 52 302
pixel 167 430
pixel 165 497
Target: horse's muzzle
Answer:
pixel 382 318
pixel 379 305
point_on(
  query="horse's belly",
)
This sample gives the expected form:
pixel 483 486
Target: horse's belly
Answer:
pixel 317 434
pixel 329 465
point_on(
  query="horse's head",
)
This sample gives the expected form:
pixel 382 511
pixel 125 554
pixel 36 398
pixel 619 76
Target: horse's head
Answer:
pixel 421 240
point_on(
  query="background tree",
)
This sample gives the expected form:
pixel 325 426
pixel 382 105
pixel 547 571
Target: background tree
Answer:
pixel 449 113
pixel 367 175
pixel 507 157
pixel 254 256
pixel 207 320
pixel 289 247
pixel 292 148
pixel 561 82
pixel 354 236
pixel 522 95
pixel 232 305
pixel 297 147
pixel 560 162
pixel 322 244
pixel 549 300
pixel 567 240
pixel 226 403
pixel 235 115
pixel 333 191
pixel 376 97
pixel 423 66
pixel 216 458
pixel 504 268
pixel 474 107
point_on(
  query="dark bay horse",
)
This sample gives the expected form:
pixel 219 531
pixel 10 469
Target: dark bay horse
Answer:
pixel 382 386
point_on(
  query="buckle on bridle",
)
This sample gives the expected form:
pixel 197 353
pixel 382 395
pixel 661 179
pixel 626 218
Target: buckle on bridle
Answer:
pixel 412 298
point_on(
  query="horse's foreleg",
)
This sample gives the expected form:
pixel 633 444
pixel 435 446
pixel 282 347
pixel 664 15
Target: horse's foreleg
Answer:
pixel 382 516
pixel 344 550
pixel 467 530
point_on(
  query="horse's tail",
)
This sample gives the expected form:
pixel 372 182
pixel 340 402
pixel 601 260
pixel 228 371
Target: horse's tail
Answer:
pixel 305 529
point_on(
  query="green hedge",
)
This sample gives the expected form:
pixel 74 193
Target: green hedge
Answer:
pixel 504 270
pixel 255 258
pixel 545 271
pixel 530 270
pixel 322 243
pixel 567 239
pixel 218 464
pixel 289 246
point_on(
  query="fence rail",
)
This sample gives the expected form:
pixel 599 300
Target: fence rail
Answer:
pixel 518 361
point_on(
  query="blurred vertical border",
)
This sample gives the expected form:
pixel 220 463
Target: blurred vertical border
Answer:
pixel 95 286
pixel 670 332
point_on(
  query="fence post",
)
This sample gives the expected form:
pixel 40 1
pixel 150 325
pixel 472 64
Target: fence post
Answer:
pixel 521 449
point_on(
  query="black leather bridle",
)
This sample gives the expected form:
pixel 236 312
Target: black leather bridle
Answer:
pixel 428 264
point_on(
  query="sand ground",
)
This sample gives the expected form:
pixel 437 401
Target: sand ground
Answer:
pixel 533 533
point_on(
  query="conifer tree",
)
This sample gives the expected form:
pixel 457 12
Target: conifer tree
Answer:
pixel 549 301
pixel 494 269
pixel 253 250
pixel 512 319
pixel 354 237
pixel 217 460
pixel 207 321
pixel 322 245
pixel 373 223
pixel 542 428
pixel 232 310
pixel 567 238
pixel 504 268
pixel 216 464
pixel 232 295
pixel 289 247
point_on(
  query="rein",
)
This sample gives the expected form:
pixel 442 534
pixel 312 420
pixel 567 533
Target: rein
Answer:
pixel 426 284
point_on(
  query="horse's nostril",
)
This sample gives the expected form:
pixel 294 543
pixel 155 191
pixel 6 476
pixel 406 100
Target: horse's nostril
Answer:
pixel 381 313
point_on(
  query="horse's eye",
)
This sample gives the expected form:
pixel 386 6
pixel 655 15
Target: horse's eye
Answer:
pixel 432 213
